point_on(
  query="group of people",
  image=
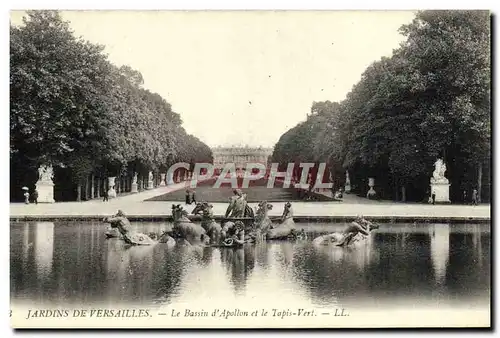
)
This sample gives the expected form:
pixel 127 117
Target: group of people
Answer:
pixel 190 196
pixel 474 198
pixel 33 196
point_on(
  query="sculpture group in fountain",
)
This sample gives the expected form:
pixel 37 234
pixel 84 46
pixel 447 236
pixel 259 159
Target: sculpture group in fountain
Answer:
pixel 440 186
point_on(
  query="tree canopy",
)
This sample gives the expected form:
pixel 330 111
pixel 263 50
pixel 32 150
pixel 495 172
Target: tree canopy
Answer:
pixel 429 100
pixel 71 107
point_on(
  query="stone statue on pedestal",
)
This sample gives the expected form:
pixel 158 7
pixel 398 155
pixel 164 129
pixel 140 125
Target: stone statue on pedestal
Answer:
pixel 371 194
pixel 150 180
pixel 440 187
pixel 111 190
pixel 134 183
pixel 162 182
pixel 45 185
pixel 347 186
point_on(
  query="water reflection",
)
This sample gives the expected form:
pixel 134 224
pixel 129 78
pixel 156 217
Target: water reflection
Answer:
pixel 74 263
pixel 207 256
pixel 117 269
pixel 239 264
pixel 287 252
pixel 262 255
pixel 359 257
pixel 44 249
pixel 168 272
pixel 477 243
pixel 440 250
pixel 26 245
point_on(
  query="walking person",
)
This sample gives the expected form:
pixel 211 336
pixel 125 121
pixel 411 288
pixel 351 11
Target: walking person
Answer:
pixel 433 198
pixel 475 197
pixel 35 196
pixel 26 197
pixel 105 194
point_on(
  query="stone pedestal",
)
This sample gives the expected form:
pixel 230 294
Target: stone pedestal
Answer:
pixel 44 185
pixel 150 181
pixel 347 186
pixel 371 194
pixel 45 192
pixel 162 182
pixel 134 186
pixel 442 191
pixel 111 190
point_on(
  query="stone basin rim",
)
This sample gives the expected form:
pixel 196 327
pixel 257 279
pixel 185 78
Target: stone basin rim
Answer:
pixel 298 219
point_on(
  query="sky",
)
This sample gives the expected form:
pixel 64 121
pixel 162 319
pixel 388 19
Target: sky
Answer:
pixel 243 78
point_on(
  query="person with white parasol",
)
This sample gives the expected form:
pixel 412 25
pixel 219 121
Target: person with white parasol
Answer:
pixel 26 195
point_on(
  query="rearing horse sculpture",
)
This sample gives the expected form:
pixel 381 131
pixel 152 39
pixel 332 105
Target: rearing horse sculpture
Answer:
pixel 185 229
pixel 208 223
pixel 286 229
pixel 262 222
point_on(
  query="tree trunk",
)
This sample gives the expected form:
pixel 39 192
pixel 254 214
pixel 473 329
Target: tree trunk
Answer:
pixel 79 192
pixel 86 196
pixel 479 181
pixel 98 187
pixel 403 193
pixel 92 187
pixel 396 189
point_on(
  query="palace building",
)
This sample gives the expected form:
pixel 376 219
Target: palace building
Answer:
pixel 240 156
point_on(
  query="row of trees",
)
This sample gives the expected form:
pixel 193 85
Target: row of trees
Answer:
pixel 73 109
pixel 429 100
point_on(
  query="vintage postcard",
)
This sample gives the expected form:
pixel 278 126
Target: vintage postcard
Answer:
pixel 250 169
